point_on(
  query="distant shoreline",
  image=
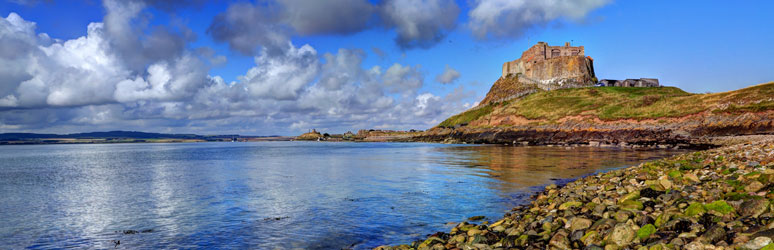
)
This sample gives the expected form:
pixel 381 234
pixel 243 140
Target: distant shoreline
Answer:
pixel 126 137
pixel 103 141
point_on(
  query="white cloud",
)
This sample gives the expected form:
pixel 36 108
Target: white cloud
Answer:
pixel 93 83
pixel 449 75
pixel 282 77
pixel 402 79
pixel 499 19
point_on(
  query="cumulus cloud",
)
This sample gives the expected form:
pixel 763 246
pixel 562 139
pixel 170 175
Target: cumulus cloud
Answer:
pixel 501 19
pixel 420 24
pixel 281 77
pixel 115 77
pixel 111 63
pixel 399 78
pixel 449 75
pixel 271 24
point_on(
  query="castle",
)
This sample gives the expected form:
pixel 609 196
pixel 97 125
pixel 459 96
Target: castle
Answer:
pixel 552 67
pixel 539 53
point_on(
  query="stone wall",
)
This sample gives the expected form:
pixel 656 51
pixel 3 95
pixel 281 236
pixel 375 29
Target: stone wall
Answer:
pixel 642 82
pixel 538 53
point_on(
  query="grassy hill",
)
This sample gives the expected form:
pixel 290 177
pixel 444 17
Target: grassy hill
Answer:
pixel 614 103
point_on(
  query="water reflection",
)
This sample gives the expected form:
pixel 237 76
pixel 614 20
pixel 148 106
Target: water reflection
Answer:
pixel 269 195
pixel 520 167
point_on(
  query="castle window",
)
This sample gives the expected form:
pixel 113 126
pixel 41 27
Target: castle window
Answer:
pixel 575 52
pixel 555 53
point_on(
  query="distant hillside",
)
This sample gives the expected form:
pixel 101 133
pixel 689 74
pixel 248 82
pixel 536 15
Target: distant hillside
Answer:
pixel 610 114
pixel 109 134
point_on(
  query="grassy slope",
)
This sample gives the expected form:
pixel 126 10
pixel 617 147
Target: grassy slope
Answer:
pixel 612 103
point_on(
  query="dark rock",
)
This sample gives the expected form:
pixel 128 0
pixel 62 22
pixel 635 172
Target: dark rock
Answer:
pixel 714 234
pixel 476 218
pixel 679 226
pixel 753 207
pixel 650 193
pixel 644 220
pixel 593 247
pixel 560 241
pixel 576 235
pixel 765 233
pixel 707 220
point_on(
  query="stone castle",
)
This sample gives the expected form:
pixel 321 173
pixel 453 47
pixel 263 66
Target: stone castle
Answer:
pixel 552 67
pixel 539 53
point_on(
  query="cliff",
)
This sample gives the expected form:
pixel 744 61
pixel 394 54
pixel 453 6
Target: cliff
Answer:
pixel 613 115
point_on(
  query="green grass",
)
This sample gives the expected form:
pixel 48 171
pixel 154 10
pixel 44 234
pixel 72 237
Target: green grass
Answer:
pixel 616 103
pixel 467 116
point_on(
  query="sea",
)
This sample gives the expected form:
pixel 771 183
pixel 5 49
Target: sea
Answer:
pixel 272 195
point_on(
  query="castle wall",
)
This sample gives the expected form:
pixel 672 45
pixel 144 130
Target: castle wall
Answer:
pixel 538 53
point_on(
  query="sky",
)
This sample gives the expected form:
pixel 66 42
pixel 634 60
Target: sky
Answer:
pixel 282 67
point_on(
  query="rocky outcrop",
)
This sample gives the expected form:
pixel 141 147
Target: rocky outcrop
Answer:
pixel 558 72
pixel 310 136
pixel 507 88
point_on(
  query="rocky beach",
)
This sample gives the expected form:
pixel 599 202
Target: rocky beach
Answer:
pixel 713 199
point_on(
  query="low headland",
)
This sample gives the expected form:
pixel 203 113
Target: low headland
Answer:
pixel 614 116
pixel 714 199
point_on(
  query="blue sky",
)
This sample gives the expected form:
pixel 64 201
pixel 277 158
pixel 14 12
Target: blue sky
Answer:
pixel 699 46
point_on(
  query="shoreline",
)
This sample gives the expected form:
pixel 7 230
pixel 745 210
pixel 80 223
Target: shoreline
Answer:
pixel 712 199
pixel 69 141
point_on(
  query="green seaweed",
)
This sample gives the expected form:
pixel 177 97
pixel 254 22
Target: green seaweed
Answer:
pixel 695 209
pixel 645 231
pixel 719 206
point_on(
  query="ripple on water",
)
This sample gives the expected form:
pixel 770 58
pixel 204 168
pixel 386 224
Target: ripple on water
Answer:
pixel 270 194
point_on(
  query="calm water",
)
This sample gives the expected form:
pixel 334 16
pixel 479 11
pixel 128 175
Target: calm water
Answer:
pixel 269 195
